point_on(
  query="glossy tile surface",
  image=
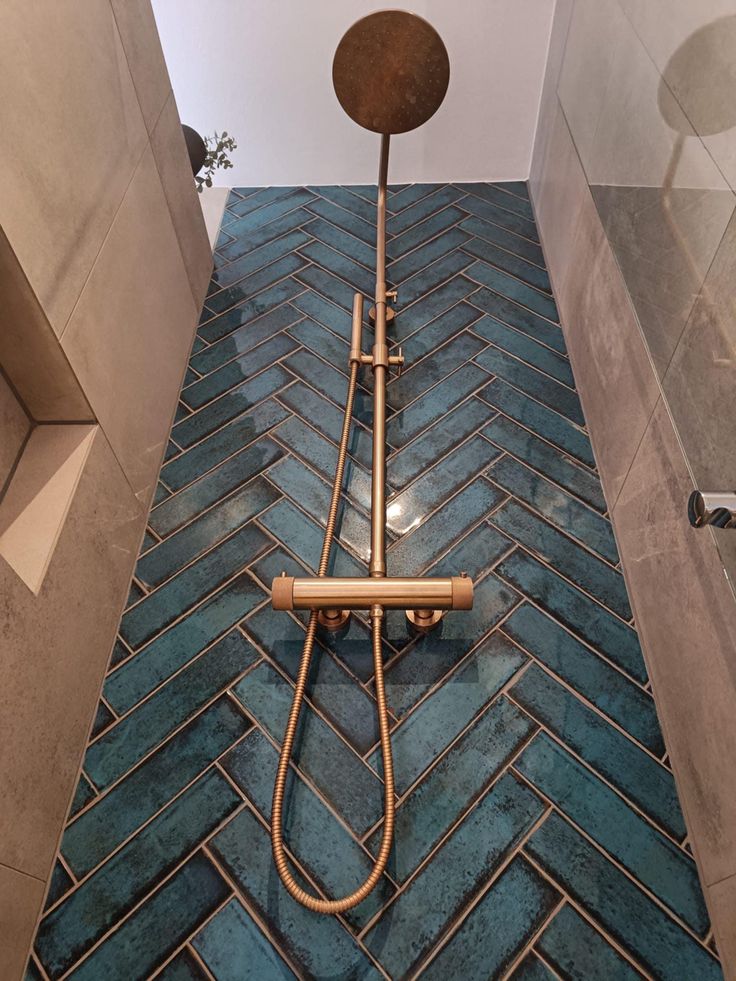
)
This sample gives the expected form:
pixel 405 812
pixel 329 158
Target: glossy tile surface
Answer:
pixel 538 828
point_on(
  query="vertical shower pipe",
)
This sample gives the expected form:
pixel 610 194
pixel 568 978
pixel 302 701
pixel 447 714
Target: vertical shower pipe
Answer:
pixel 377 568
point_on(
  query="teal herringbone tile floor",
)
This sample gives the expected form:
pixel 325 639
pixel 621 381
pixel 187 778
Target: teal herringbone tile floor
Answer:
pixel 538 828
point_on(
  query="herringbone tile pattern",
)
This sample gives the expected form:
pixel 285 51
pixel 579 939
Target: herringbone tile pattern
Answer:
pixel 539 833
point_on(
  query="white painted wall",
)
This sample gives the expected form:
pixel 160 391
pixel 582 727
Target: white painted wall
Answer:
pixel 261 69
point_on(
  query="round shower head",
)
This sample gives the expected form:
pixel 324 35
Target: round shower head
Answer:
pixel 391 71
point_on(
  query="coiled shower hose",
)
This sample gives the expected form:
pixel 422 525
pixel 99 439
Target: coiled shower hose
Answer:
pixel 277 842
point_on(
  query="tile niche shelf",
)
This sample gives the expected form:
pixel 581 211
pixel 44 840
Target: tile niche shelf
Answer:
pixel 38 495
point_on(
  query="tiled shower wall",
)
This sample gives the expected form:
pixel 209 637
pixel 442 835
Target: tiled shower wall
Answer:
pixel 683 602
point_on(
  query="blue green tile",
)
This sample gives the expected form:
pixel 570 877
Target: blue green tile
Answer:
pixel 407 508
pixel 430 337
pixel 410 422
pixel 251 202
pixel 327 419
pixel 522 346
pixel 414 923
pixel 532 382
pixel 250 309
pixel 475 553
pixel 251 285
pixel 344 780
pixel 234 248
pixel 528 272
pixel 245 338
pixel 256 259
pixel 517 224
pixel 320 945
pixel 623 910
pixel 532 969
pixel 650 857
pixel 453 784
pixel 159 926
pixel 591 622
pixel 331 688
pixel 626 767
pixel 579 952
pixel 232 382
pixel 322 342
pixel 233 403
pixel 498 194
pixel 241 228
pixel 415 551
pixel 432 276
pixel 409 194
pixel 103 719
pixel 304 537
pixel 84 793
pixel 70 930
pixel 539 455
pixel 321 376
pixel 326 313
pixel 431 306
pixel 424 231
pixel 422 209
pixel 93 836
pixel 609 690
pixel 320 843
pixel 345 198
pixel 160 608
pixel 61 883
pixel 223 444
pixel 403 269
pixel 570 560
pixel 182 968
pixel 507 312
pixel 138 733
pixel 206 491
pixel 499 927
pixel 514 289
pixel 355 275
pixel 234 948
pixel 346 220
pixel 342 241
pixel 444 714
pixel 506 239
pixel 413 460
pixel 207 530
pixel 558 507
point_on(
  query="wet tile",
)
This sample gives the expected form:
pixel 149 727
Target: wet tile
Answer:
pixel 223 444
pixel 322 342
pixel 575 611
pixel 252 285
pixel 208 530
pixel 304 536
pixel 579 952
pixel 162 607
pixel 234 248
pixel 232 404
pixel 410 422
pixel 245 338
pixel 234 948
pixel 237 391
pixel 327 419
pixel 415 551
pixel 236 271
pixel 67 932
pixel 94 835
pixel 411 926
pixel 249 310
pixel 436 653
pixel 539 455
pixel 324 312
pixel 474 554
pixel 637 776
pixel 556 506
pixel 314 836
pixel 453 784
pixel 499 927
pixel 321 376
pixel 412 460
pixel 344 780
pixel 158 927
pixel 137 734
pixel 570 560
pixel 206 491
pixel 532 382
pixel 320 945
pixel 650 857
pixel 409 507
pixel 626 913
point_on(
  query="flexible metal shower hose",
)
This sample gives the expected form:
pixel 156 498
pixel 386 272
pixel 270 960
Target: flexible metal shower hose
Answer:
pixel 277 842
